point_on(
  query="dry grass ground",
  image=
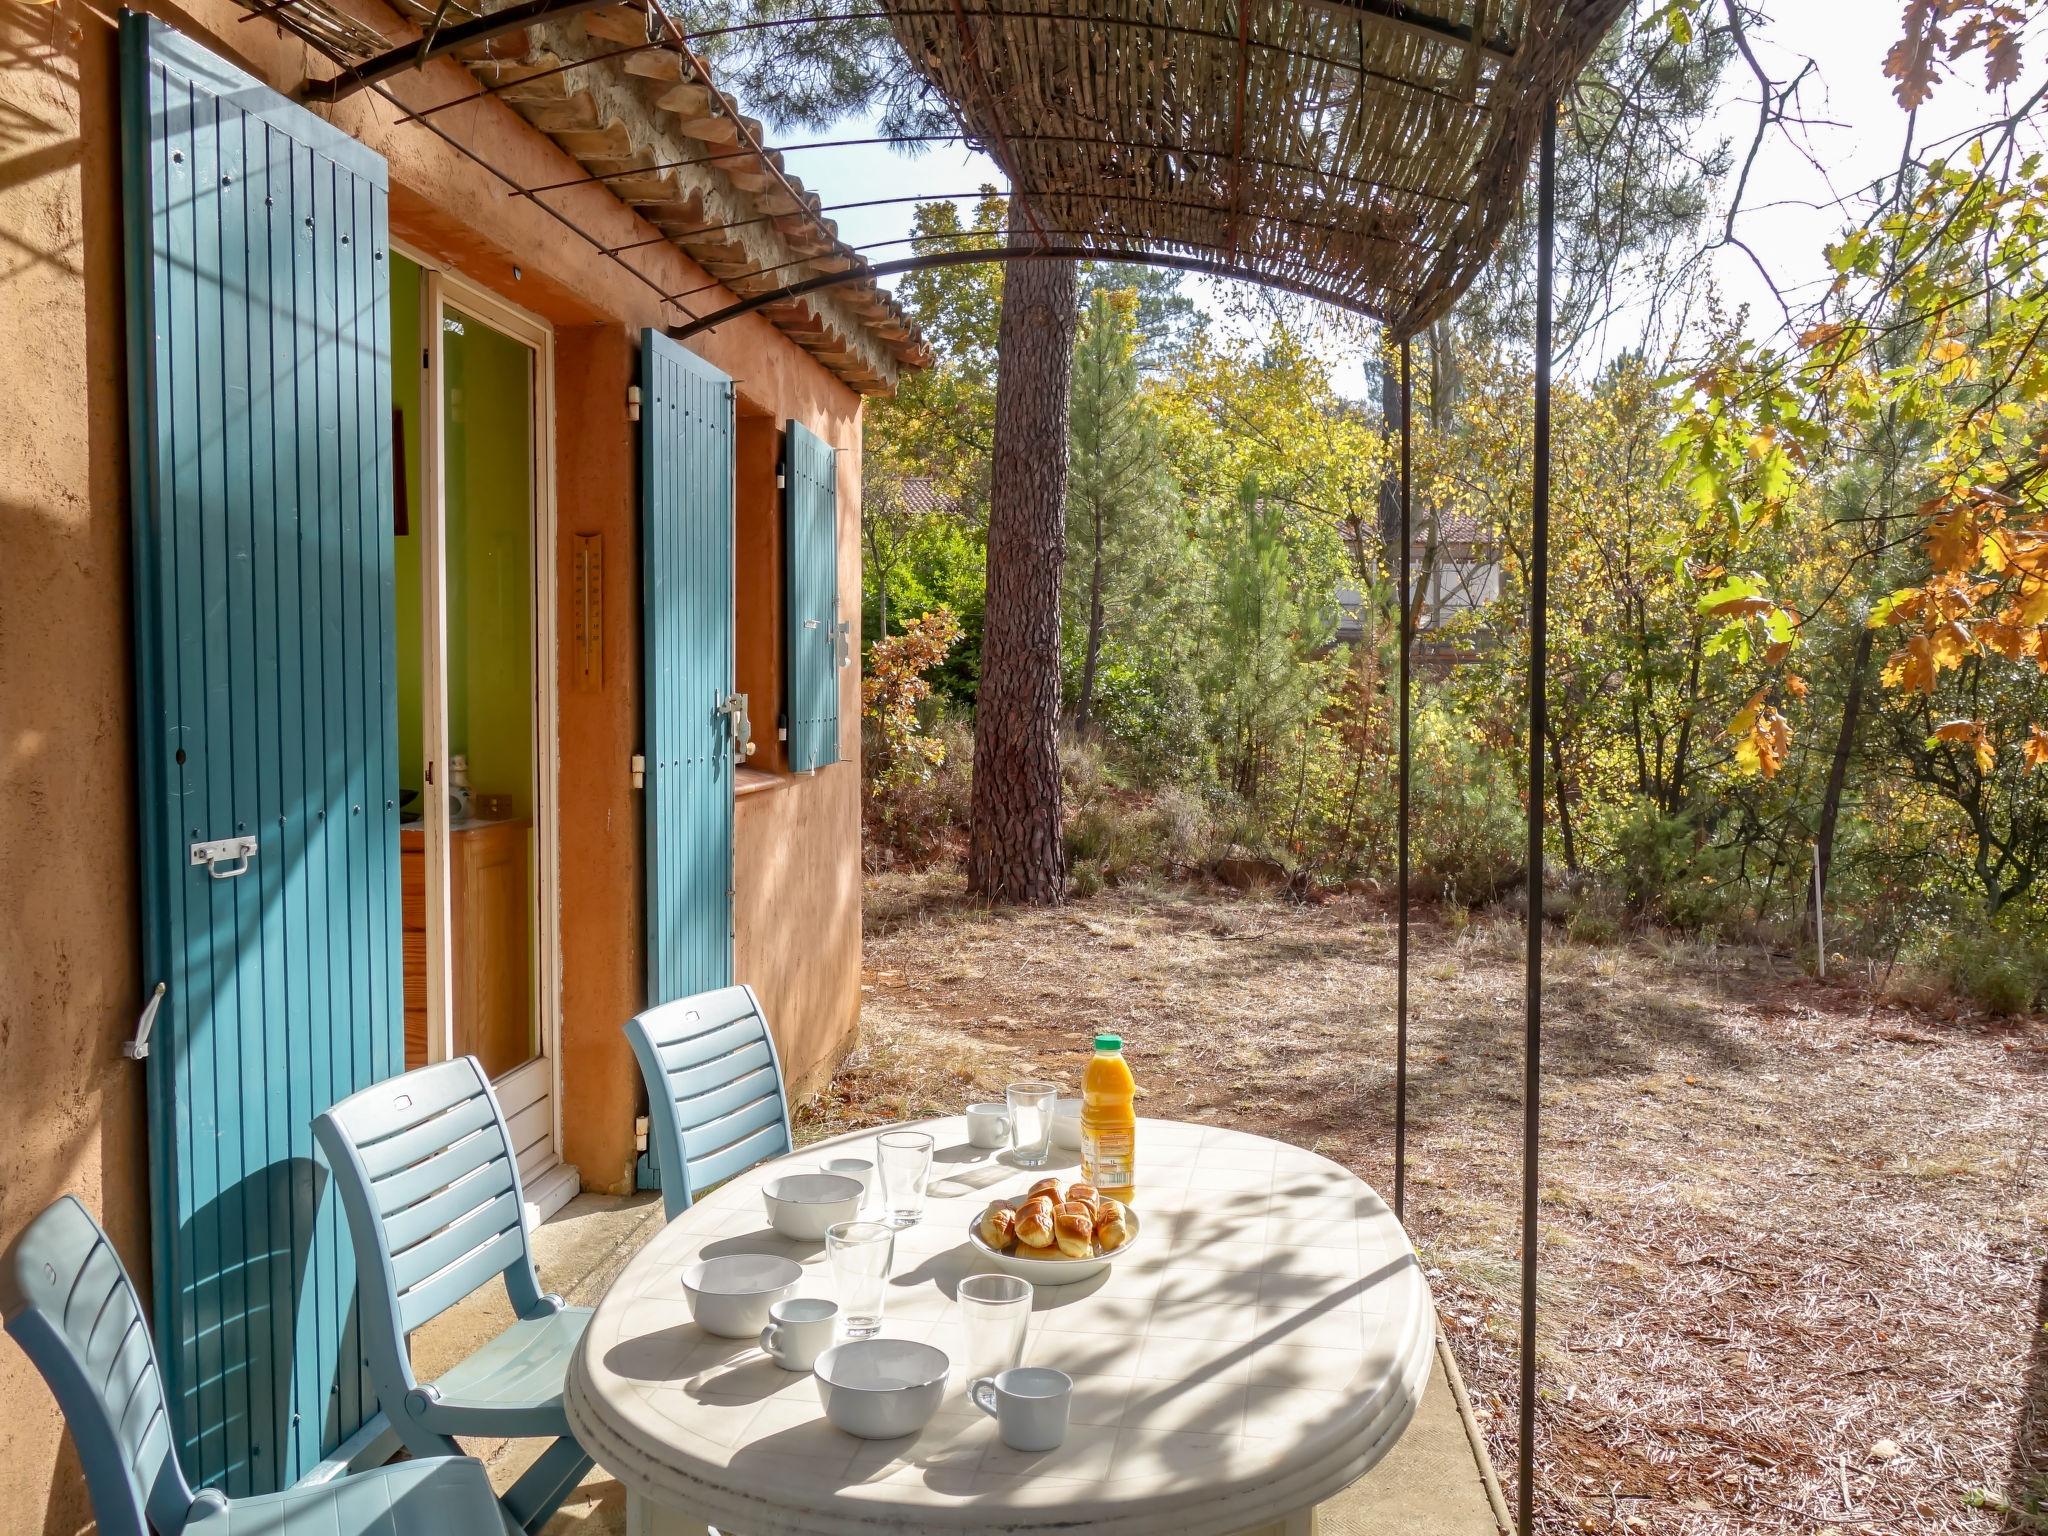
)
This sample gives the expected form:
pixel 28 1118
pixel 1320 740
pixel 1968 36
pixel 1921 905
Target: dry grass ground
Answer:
pixel 1792 1244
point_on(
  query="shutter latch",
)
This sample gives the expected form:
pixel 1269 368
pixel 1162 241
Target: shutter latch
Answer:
pixel 740 728
pixel 639 766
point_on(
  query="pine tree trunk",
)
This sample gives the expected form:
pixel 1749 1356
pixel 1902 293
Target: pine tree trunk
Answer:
pixel 1015 849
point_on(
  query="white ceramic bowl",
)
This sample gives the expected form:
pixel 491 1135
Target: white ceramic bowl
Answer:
pixel 1066 1125
pixel 1054 1268
pixel 880 1389
pixel 803 1205
pixel 730 1295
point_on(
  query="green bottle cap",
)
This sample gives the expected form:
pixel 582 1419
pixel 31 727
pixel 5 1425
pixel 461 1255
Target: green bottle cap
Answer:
pixel 1109 1042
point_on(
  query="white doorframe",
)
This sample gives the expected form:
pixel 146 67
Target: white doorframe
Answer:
pixel 440 288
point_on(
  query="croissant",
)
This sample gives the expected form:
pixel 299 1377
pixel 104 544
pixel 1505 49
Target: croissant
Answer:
pixel 1110 1228
pixel 1033 1224
pixel 1073 1226
pixel 999 1224
pixel 1050 1188
pixel 1086 1194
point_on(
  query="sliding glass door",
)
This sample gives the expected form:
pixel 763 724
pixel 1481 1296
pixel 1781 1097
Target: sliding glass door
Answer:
pixel 475 668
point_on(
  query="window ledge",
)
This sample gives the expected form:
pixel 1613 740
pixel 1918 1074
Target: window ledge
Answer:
pixel 752 781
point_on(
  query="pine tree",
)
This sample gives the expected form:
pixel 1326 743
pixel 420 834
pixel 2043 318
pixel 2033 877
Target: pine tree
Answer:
pixel 1118 487
pixel 1015 848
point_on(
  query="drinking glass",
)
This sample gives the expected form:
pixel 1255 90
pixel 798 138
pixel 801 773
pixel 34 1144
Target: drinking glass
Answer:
pixel 994 1312
pixel 906 1159
pixel 1031 1111
pixel 860 1254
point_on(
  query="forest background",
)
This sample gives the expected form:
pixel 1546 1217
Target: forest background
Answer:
pixel 1799 572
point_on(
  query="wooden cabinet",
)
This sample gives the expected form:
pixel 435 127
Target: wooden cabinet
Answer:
pixel 490 941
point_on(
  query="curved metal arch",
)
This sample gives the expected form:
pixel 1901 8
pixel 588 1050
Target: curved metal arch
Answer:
pixel 1137 256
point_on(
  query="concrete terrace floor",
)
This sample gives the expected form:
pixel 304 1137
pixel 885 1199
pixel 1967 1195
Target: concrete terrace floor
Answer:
pixel 1435 1482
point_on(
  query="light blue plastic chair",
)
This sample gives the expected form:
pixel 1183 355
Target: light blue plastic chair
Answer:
pixel 715 1097
pixel 430 1183
pixel 68 1302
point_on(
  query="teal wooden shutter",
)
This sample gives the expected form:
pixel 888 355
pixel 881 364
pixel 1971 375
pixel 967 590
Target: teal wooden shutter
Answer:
pixel 686 506
pixel 260 439
pixel 810 509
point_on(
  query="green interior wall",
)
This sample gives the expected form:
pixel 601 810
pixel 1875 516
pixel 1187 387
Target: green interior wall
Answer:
pixel 489 437
pixel 489 440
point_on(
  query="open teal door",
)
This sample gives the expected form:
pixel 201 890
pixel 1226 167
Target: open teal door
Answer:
pixel 692 715
pixel 260 429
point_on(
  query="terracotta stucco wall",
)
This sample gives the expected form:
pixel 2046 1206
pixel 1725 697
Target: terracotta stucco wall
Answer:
pixel 71 1114
pixel 70 1104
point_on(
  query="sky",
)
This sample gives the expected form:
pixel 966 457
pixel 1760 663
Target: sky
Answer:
pixel 1792 207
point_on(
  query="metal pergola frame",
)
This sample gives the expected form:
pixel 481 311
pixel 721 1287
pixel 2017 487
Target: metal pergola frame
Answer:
pixel 363 70
pixel 1537 708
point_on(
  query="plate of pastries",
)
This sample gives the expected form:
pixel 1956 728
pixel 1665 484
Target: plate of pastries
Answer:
pixel 1055 1234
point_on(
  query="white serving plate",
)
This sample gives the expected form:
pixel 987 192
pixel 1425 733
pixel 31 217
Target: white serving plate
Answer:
pixel 1059 1269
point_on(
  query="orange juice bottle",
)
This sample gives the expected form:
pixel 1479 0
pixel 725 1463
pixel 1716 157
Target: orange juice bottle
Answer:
pixel 1109 1121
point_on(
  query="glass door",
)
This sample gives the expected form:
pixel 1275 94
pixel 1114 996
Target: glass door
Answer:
pixel 476 702
pixel 488 605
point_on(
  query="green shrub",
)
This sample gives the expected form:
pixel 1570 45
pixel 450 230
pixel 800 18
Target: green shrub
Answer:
pixel 920 819
pixel 2000 965
pixel 1597 916
pixel 1466 826
pixel 1666 870
pixel 1182 827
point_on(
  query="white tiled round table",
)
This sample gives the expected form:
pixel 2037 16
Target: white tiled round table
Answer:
pixel 1261 1346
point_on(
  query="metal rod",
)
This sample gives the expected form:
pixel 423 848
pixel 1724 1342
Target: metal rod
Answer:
pixel 489 91
pixel 876 245
pixel 396 61
pixel 1415 19
pixel 1308 56
pixel 736 154
pixel 765 218
pixel 1539 726
pixel 1193 151
pixel 1321 226
pixel 1136 255
pixel 1401 836
pixel 554 213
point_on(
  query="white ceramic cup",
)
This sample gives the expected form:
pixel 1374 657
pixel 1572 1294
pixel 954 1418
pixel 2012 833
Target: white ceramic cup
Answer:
pixel 854 1168
pixel 1029 1403
pixel 988 1125
pixel 800 1329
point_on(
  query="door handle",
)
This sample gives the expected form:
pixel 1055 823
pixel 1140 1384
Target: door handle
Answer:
pixel 138 1048
pixel 225 858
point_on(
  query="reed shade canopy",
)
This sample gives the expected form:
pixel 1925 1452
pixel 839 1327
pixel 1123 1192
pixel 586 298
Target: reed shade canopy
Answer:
pixel 1364 152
